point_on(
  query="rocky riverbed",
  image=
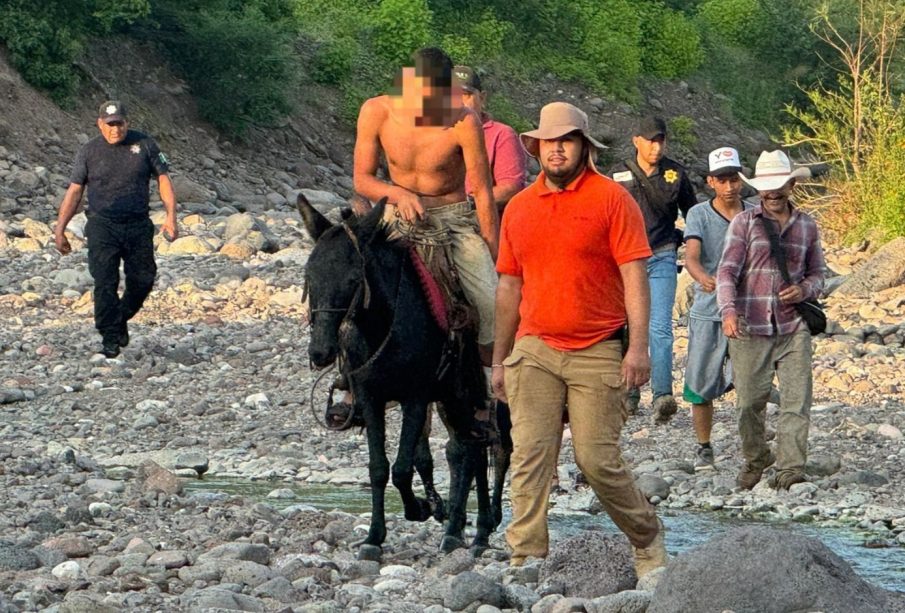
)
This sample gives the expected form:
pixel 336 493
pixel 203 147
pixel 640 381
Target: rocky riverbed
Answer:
pixel 94 453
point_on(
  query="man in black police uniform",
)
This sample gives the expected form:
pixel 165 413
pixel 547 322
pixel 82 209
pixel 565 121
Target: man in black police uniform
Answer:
pixel 662 189
pixel 117 167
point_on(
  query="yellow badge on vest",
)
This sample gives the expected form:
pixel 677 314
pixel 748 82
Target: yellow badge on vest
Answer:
pixel 670 176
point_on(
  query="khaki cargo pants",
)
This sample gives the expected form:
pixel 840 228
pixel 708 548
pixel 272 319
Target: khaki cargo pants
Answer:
pixel 755 359
pixel 540 381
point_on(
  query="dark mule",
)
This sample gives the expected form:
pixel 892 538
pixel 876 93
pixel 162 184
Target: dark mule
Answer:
pixel 368 311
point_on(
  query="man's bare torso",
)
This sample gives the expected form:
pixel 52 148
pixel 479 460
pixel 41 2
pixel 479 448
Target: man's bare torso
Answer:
pixel 425 160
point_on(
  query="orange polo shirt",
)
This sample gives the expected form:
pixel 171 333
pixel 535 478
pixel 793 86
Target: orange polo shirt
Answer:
pixel 567 247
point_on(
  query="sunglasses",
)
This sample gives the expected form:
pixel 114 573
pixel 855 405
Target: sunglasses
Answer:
pixel 116 124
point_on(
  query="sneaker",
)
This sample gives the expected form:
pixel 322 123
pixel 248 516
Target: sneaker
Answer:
pixel 110 348
pixel 703 459
pixel 653 556
pixel 664 408
pixel 784 479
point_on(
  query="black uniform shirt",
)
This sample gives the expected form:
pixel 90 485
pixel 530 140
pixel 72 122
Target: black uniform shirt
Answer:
pixel 670 179
pixel 117 176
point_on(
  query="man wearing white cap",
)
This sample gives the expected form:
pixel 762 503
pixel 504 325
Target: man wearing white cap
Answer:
pixel 707 372
pixel 572 261
pixel 766 333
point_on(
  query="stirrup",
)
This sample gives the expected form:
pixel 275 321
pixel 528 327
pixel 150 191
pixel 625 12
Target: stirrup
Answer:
pixel 340 416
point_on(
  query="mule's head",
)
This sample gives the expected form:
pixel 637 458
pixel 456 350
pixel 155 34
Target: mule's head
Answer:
pixel 334 275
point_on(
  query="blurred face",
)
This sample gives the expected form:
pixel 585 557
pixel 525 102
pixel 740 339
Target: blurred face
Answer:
pixel 563 158
pixel 650 151
pixel 727 188
pixel 776 202
pixel 114 132
pixel 428 103
pixel 474 101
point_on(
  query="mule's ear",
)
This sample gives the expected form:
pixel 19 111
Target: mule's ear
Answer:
pixel 315 223
pixel 371 225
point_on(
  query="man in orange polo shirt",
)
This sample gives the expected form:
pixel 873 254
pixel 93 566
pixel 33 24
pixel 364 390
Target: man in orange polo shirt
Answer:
pixel 572 258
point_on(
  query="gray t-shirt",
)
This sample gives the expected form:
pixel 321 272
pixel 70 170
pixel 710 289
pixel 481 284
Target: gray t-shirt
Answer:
pixel 705 224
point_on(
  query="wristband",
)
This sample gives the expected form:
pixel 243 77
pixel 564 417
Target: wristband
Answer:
pixel 496 366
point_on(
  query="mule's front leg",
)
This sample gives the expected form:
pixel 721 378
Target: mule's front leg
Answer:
pixel 459 484
pixel 414 417
pixel 379 473
pixel 478 461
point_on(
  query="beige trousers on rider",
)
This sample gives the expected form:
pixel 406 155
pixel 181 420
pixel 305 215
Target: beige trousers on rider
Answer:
pixel 456 225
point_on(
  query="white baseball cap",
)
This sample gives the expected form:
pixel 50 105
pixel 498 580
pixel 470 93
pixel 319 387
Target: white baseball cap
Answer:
pixel 724 161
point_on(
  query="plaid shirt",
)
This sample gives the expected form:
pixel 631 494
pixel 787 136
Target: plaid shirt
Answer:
pixel 749 281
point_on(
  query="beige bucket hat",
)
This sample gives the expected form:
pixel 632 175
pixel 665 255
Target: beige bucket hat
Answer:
pixel 558 119
pixel 773 170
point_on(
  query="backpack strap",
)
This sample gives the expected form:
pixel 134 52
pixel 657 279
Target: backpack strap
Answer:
pixel 776 250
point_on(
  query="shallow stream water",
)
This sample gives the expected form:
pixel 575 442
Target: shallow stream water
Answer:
pixel 884 566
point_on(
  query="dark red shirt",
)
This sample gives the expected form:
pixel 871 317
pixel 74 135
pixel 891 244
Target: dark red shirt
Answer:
pixel 748 279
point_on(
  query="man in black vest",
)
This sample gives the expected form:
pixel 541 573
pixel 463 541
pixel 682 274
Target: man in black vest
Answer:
pixel 117 167
pixel 662 189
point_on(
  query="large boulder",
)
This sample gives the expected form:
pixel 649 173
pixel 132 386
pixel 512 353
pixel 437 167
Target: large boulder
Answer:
pixel 763 570
pixel 590 564
pixel 884 270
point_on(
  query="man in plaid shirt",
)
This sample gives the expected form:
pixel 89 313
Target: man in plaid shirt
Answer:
pixel 766 333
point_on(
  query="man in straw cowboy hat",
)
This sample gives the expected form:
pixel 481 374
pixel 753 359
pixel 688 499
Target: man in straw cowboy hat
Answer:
pixel 766 333
pixel 572 265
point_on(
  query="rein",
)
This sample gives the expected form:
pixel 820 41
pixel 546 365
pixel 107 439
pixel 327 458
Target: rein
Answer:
pixel 363 294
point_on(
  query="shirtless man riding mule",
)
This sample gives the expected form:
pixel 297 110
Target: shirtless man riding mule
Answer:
pixel 429 140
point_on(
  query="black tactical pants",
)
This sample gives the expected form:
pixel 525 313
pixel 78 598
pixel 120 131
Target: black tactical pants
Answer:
pixel 110 242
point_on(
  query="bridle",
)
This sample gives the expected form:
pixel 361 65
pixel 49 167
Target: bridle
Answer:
pixel 363 296
pixel 363 289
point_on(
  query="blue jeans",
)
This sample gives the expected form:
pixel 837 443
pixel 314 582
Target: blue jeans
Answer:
pixel 662 276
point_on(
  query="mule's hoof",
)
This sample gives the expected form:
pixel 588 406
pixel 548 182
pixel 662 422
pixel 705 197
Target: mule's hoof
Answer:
pixel 477 549
pixel 421 513
pixel 371 553
pixel 438 510
pixel 451 543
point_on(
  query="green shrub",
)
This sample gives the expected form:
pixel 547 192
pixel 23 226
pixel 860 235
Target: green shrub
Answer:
pixel 239 64
pixel 610 38
pixel 44 38
pixel 400 28
pixel 681 131
pixel 671 43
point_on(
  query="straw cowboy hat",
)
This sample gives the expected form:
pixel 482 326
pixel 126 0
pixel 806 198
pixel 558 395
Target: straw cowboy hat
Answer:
pixel 772 171
pixel 558 119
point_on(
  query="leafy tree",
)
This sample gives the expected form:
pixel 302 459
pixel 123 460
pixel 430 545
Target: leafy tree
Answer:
pixel 857 121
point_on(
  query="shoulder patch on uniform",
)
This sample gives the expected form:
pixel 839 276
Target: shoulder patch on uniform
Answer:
pixel 163 159
pixel 622 177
